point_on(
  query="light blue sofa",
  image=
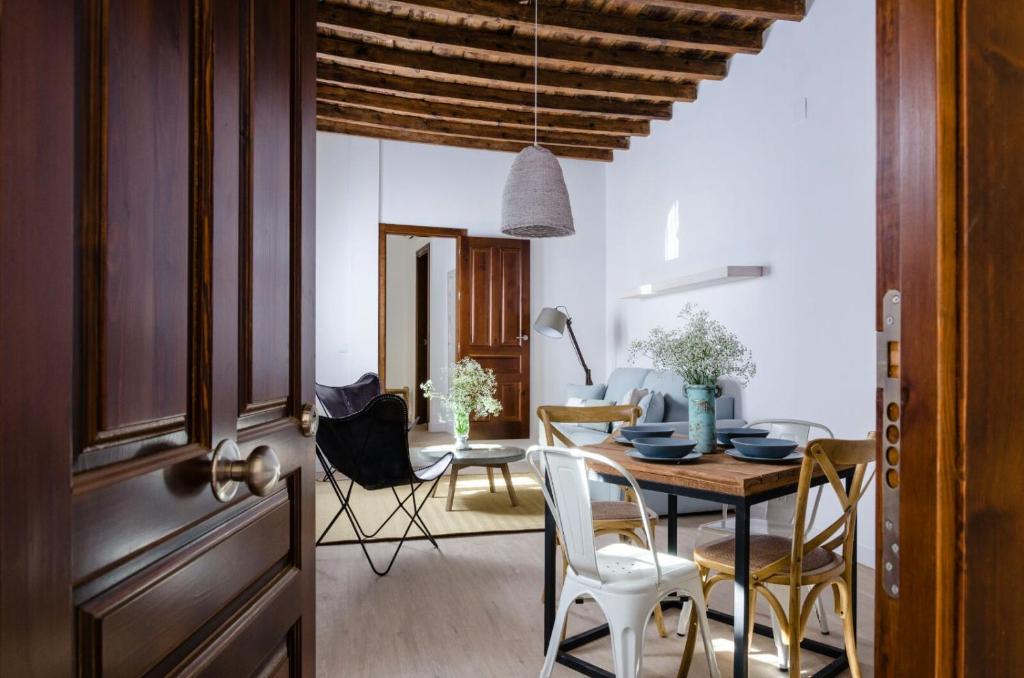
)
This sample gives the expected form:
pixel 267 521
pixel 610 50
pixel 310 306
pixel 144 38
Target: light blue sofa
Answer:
pixel 669 384
pixel 676 413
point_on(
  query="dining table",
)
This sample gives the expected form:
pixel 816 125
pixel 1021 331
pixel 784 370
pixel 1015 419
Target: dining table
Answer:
pixel 716 477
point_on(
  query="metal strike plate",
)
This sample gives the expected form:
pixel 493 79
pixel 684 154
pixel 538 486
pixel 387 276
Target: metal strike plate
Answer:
pixel 891 437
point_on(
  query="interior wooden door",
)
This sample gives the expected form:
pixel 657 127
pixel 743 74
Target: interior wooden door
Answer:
pixel 169 229
pixel 951 163
pixel 494 326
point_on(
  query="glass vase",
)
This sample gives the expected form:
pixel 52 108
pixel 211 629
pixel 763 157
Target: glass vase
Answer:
pixel 461 428
pixel 702 417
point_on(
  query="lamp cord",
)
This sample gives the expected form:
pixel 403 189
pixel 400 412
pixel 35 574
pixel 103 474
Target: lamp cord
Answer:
pixel 536 50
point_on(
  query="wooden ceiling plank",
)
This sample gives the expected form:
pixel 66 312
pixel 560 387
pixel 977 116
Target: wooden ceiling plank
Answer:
pixel 340 127
pixel 590 24
pixel 783 10
pixel 466 112
pixel 389 82
pixel 491 43
pixel 498 75
pixel 478 130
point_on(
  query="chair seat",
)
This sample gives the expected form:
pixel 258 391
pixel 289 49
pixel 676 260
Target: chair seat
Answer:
pixel 764 550
pixel 618 510
pixel 626 567
pixel 434 470
pixel 727 526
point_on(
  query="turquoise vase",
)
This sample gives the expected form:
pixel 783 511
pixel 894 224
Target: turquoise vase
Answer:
pixel 702 416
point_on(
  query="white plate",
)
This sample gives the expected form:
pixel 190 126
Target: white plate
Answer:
pixel 692 456
pixel 795 455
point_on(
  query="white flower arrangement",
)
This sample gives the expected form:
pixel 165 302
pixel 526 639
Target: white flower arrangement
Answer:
pixel 471 390
pixel 701 352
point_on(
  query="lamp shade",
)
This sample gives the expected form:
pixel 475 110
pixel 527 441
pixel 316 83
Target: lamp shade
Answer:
pixel 550 322
pixel 535 203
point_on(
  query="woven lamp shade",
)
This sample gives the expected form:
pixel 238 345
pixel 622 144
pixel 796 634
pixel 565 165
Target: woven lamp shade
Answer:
pixel 535 203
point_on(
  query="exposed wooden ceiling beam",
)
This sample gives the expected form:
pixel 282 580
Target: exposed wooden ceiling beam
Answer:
pixel 356 129
pixel 465 129
pixel 467 112
pixel 785 10
pixel 613 60
pixel 497 75
pixel 584 23
pixel 389 82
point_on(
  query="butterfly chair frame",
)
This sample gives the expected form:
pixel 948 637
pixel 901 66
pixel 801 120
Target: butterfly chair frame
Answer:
pixel 370 447
pixel 788 570
pixel 623 527
pixel 563 477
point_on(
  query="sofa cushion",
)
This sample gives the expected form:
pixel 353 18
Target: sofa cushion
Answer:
pixel 633 396
pixel 583 392
pixel 653 406
pixel 622 379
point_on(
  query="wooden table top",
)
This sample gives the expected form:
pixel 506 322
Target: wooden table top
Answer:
pixel 715 472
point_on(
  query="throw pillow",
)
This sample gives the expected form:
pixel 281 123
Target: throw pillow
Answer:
pixel 633 396
pixel 604 426
pixel 653 406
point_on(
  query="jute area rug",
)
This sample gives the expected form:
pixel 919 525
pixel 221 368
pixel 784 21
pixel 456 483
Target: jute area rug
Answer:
pixel 475 510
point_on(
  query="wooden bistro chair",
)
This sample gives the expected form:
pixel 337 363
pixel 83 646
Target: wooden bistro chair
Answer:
pixel 619 518
pixel 803 560
pixel 627 581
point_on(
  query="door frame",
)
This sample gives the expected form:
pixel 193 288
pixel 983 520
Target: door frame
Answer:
pixel 384 230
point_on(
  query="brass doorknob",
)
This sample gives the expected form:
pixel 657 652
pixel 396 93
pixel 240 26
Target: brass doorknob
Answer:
pixel 260 472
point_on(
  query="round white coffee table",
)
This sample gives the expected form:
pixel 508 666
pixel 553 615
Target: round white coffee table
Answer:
pixel 479 454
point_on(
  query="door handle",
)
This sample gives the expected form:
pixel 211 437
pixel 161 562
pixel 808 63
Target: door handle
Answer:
pixel 309 420
pixel 260 471
pixel 524 337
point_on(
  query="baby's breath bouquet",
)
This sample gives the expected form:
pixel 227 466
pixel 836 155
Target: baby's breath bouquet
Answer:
pixel 702 351
pixel 471 390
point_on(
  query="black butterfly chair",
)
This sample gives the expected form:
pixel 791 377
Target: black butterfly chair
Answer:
pixel 371 448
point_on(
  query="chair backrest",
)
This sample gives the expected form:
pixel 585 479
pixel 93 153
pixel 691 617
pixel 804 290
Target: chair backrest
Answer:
pixel 370 446
pixel 562 474
pixel 780 511
pixel 341 401
pixel 797 430
pixel 555 414
pixel 829 455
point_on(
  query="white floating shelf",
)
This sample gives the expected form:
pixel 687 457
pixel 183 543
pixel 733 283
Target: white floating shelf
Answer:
pixel 712 276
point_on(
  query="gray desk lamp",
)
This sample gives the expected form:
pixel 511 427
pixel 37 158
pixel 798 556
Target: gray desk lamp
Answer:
pixel 552 322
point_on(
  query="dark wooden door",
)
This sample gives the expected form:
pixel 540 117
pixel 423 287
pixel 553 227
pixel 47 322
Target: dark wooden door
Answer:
pixel 158 306
pixel 494 326
pixel 422 337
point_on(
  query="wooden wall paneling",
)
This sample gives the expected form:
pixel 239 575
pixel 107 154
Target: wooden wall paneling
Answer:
pixel 38 115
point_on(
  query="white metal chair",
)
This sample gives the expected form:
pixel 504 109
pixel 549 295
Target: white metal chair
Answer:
pixel 626 581
pixel 776 517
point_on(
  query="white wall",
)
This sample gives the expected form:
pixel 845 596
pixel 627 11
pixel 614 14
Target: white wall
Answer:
pixel 361 182
pixel 773 166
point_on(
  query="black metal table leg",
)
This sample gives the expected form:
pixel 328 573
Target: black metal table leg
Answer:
pixel 741 592
pixel 673 524
pixel 549 575
pixel 856 559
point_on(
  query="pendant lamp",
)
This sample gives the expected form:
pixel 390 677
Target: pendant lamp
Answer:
pixel 535 203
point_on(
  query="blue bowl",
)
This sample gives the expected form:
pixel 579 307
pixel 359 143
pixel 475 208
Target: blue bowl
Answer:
pixel 725 435
pixel 764 448
pixel 664 448
pixel 631 433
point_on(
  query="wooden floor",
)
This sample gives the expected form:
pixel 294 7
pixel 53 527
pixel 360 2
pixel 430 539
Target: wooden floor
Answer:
pixel 473 610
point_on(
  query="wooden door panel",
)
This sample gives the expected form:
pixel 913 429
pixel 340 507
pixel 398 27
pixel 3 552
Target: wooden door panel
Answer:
pixel 129 629
pixel 494 281
pixel 266 295
pixel 136 226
